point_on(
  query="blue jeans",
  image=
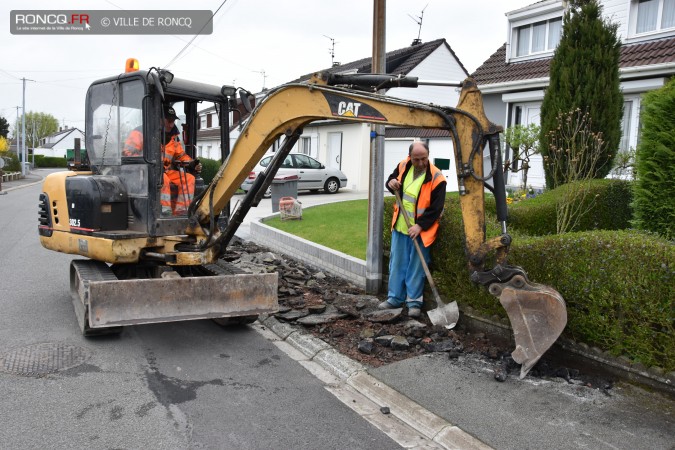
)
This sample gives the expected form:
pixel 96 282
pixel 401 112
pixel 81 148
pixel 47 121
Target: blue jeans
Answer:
pixel 406 275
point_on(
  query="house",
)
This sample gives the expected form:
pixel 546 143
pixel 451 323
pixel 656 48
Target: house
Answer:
pixel 513 79
pixel 346 146
pixel 56 144
pixel 208 134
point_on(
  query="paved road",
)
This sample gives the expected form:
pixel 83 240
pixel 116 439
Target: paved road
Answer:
pixel 180 385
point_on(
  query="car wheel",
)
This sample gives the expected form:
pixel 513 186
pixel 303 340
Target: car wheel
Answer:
pixel 332 186
pixel 268 192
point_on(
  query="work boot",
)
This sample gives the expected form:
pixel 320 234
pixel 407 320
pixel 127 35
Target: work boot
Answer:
pixel 414 312
pixel 386 305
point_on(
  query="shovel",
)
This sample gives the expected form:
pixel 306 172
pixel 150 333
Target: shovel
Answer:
pixel 446 315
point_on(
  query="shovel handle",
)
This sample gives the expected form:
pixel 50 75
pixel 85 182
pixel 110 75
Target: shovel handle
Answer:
pixel 419 252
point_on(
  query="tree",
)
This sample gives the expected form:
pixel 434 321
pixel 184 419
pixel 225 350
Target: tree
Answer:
pixel 4 145
pixel 654 188
pixel 4 127
pixel 38 125
pixel 585 75
pixel 524 142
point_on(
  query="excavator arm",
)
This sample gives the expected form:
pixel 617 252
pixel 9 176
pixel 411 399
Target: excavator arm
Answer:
pixel 537 313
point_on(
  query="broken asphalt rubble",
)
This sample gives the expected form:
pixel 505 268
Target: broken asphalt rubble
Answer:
pixel 340 314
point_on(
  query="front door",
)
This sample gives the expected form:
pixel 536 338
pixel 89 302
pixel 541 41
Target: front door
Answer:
pixel 335 150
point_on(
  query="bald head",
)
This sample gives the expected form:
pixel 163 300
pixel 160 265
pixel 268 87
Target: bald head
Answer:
pixel 419 155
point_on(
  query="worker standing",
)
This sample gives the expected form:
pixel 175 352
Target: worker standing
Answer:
pixel 421 186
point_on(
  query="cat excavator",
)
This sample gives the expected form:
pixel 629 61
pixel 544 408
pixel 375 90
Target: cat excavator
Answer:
pixel 141 266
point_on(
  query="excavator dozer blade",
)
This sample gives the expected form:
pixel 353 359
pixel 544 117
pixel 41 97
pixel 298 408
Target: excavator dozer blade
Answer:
pixel 103 301
pixel 538 316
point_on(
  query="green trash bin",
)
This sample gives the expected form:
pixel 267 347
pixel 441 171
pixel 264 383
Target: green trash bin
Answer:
pixel 283 186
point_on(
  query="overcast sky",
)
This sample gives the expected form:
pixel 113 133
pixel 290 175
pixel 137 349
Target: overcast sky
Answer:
pixel 283 38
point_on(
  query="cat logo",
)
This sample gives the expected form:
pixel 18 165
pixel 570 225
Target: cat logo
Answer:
pixel 348 109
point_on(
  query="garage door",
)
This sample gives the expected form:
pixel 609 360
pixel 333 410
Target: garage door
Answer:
pixel 394 152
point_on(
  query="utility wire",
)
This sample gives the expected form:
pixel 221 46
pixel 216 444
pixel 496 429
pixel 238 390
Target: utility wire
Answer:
pixel 196 35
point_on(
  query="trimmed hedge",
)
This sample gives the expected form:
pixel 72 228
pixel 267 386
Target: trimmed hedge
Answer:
pixel 611 210
pixel 209 169
pixel 655 157
pixel 50 161
pixel 619 286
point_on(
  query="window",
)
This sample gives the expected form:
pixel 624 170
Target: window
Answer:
pixel 202 122
pixel 538 37
pixel 305 162
pixel 624 145
pixel 208 121
pixel 305 145
pixel 115 110
pixel 654 15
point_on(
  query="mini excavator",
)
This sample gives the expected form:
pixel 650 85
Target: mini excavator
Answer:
pixel 141 266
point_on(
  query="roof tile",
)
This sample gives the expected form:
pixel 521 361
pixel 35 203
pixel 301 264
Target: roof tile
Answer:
pixel 496 70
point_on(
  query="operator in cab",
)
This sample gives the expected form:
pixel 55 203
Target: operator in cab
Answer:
pixel 178 188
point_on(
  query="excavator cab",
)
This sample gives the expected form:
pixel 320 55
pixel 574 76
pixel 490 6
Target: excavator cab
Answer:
pixel 125 137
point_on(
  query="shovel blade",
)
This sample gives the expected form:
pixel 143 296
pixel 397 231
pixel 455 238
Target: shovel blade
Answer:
pixel 446 315
pixel 538 316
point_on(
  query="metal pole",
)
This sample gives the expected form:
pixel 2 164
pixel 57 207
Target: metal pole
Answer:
pixel 23 131
pixel 16 134
pixel 376 183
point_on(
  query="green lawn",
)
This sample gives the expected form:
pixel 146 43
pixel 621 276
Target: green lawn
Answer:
pixel 342 226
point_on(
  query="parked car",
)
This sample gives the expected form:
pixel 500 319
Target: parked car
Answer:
pixel 312 175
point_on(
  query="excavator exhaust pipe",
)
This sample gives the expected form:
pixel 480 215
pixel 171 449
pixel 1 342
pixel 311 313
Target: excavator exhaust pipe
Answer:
pixel 538 316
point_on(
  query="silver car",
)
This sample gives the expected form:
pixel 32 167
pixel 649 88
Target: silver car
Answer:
pixel 312 175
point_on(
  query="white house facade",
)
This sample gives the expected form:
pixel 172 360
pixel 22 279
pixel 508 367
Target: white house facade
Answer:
pixel 513 79
pixel 58 143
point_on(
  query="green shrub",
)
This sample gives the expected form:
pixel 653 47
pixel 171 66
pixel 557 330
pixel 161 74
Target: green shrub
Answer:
pixel 611 209
pixel 209 169
pixel 655 156
pixel 11 162
pixel 50 161
pixel 619 286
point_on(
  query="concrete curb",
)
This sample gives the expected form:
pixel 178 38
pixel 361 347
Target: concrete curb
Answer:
pixel 341 265
pixel 13 188
pixel 352 374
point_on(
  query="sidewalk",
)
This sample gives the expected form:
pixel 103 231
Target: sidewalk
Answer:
pixel 34 176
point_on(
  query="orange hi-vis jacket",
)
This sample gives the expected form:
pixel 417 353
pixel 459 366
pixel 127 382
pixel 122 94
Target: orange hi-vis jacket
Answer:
pixel 133 146
pixel 430 200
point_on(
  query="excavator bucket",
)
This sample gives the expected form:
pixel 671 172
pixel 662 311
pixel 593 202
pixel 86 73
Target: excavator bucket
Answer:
pixel 538 316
